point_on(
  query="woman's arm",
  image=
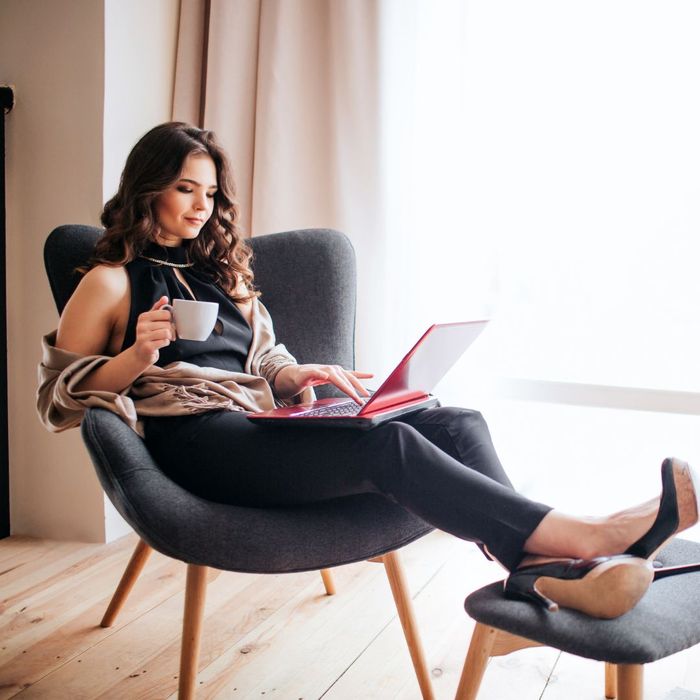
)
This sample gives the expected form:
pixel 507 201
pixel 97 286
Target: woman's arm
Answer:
pixel 89 323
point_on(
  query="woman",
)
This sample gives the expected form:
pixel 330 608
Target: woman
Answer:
pixel 171 232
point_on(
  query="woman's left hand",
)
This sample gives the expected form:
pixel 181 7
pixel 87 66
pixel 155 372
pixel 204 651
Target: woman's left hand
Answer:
pixel 293 379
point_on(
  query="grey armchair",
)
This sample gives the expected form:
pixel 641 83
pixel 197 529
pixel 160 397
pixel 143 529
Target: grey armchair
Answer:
pixel 318 267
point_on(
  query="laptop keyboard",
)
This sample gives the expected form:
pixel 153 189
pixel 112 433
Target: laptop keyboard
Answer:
pixel 341 409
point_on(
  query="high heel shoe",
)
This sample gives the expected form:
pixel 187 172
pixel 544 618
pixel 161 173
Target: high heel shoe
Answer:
pixel 604 587
pixel 678 509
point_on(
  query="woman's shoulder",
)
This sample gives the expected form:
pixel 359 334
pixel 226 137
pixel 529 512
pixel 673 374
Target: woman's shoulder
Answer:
pixel 96 308
pixel 106 278
pixel 102 287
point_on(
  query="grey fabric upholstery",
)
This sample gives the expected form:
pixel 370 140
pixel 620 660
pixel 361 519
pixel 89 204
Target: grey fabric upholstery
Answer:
pixel 307 279
pixel 665 621
pixel 308 284
pixel 270 540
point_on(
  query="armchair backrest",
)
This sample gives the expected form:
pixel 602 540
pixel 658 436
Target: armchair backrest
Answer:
pixel 307 279
pixel 67 248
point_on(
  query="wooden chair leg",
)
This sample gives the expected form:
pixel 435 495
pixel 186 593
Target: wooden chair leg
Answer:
pixel 399 589
pixel 328 582
pixel 131 573
pixel 195 593
pixel 478 655
pixel 630 681
pixel 610 681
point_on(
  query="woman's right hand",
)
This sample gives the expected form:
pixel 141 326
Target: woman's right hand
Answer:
pixel 154 330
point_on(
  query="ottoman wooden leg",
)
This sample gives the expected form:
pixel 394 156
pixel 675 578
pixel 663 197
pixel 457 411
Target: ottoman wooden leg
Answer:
pixel 478 656
pixel 630 681
pixel 486 642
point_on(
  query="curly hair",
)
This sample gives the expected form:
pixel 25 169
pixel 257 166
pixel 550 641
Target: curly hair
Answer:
pixel 155 164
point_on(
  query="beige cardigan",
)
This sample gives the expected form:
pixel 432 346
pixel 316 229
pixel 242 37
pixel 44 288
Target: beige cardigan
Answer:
pixel 179 389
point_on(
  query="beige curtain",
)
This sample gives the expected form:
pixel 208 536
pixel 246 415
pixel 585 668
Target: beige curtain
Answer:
pixel 291 87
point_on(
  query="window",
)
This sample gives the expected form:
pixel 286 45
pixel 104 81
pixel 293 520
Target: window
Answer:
pixel 543 168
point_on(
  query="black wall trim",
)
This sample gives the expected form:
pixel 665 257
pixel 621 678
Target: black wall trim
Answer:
pixel 7 101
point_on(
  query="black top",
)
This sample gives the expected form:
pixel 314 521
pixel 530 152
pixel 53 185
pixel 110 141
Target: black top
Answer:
pixel 227 346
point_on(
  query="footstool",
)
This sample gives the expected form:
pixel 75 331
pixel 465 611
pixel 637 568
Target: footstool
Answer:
pixel 665 621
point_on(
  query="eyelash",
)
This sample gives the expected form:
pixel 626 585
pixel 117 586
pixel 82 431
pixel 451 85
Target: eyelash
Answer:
pixel 186 190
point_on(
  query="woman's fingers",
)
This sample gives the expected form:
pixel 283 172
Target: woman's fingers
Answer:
pixel 343 379
pixel 348 381
pixel 160 334
pixel 356 383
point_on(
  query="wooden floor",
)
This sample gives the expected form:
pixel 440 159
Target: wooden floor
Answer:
pixel 266 636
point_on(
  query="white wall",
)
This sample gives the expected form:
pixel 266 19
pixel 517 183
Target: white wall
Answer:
pixel 62 154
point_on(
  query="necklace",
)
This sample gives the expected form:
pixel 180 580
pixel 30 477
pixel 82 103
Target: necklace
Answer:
pixel 166 262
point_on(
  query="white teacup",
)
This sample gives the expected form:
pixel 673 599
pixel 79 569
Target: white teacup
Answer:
pixel 194 320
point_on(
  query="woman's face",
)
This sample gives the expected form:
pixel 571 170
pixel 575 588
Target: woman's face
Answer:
pixel 187 204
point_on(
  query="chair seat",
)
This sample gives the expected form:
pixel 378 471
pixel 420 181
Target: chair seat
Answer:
pixel 665 621
pixel 181 525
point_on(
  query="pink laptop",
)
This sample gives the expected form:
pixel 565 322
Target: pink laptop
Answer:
pixel 405 390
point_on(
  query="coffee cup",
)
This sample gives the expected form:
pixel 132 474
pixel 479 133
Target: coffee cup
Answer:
pixel 194 320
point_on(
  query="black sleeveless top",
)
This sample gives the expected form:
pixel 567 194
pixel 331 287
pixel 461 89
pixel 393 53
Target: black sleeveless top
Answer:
pixel 227 346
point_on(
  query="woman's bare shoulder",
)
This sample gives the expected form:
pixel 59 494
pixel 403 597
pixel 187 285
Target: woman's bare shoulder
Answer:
pixel 95 310
pixel 107 278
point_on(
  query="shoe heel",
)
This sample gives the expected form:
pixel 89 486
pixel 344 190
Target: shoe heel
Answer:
pixel 666 571
pixel 524 587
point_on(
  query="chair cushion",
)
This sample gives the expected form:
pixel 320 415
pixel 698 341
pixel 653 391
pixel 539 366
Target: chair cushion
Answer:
pixel 665 621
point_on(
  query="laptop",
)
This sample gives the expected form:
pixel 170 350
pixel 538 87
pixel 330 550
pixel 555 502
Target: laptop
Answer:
pixel 405 390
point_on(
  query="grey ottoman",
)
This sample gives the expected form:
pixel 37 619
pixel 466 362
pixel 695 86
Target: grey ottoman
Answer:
pixel 665 621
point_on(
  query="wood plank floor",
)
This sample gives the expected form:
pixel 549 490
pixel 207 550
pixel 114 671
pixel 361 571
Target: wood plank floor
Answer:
pixel 265 636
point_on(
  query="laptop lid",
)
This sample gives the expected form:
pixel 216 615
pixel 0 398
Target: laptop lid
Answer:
pixel 425 364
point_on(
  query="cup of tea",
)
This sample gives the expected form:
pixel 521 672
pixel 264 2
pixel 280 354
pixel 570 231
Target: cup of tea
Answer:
pixel 194 320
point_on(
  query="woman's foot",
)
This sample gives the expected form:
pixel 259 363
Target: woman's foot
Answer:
pixel 678 509
pixel 605 587
pixel 648 526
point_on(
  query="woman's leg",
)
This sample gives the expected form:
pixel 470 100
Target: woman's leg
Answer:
pixel 463 434
pixel 223 456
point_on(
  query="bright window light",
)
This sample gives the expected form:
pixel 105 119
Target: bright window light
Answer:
pixel 544 169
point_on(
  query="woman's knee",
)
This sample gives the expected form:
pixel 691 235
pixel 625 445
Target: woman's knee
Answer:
pixel 452 417
pixel 398 436
pixel 471 419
